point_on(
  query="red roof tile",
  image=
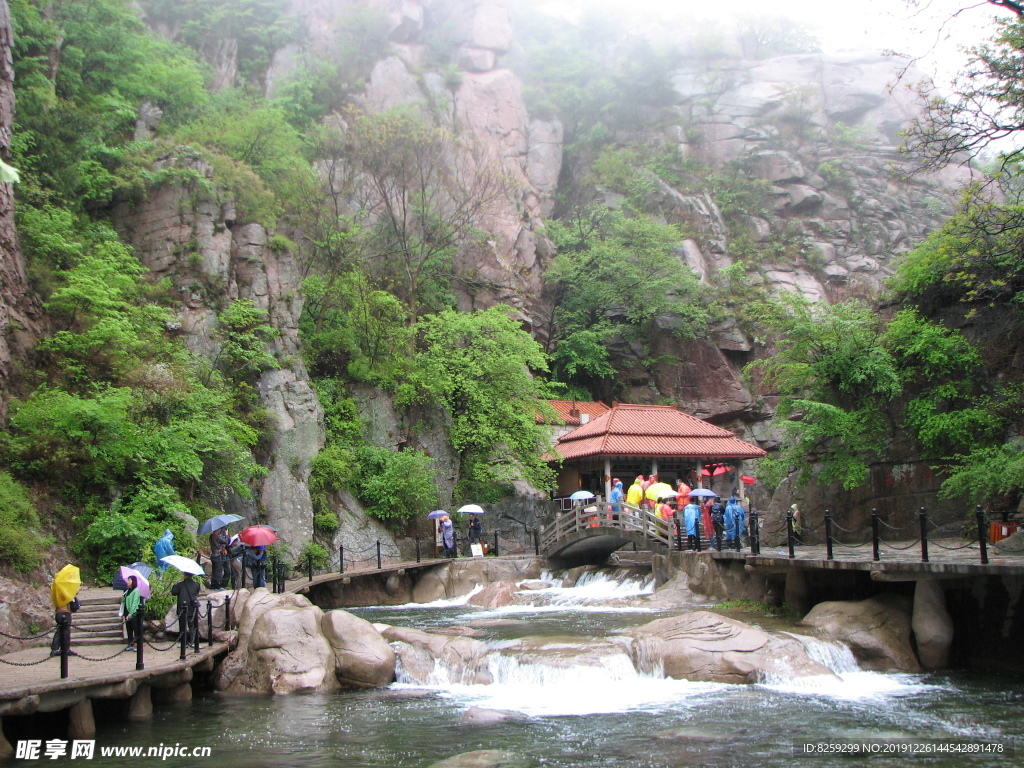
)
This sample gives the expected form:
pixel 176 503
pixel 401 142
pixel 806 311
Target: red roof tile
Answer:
pixel 565 408
pixel 655 431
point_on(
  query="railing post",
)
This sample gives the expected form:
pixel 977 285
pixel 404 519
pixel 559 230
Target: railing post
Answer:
pixel 341 559
pixel 789 533
pixel 875 554
pixel 227 613
pixel 679 532
pixel 139 642
pixel 828 534
pixel 495 543
pixel 209 622
pixel 699 531
pixel 309 565
pixel 64 628
pixel 755 532
pixel 182 629
pixel 195 627
pixel 273 572
pixel 417 547
pixel 982 535
pixel 536 542
pixel 282 570
pixel 923 516
pixel 244 569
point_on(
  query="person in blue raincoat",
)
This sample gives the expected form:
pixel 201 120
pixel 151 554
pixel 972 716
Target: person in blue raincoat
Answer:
pixel 735 519
pixel 690 514
pixel 164 547
pixel 617 497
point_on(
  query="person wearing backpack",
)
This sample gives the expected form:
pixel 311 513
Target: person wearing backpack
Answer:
pixel 735 519
pixel 717 524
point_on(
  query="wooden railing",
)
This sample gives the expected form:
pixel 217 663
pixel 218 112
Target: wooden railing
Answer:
pixel 602 514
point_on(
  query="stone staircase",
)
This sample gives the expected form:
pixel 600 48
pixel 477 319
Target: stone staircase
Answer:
pixel 97 622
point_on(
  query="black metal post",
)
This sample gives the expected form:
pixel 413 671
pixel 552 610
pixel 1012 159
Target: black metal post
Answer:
pixel 244 569
pixel 700 532
pixel 195 627
pixel 139 663
pixel 417 547
pixel 273 573
pixel 923 516
pixel 65 644
pixel 982 535
pixel 495 543
pixel 755 533
pixel 679 533
pixel 789 533
pixel 341 559
pixel 209 623
pixel 182 629
pixel 281 570
pixel 536 542
pixel 828 534
pixel 739 531
pixel 379 565
pixel 227 612
pixel 309 565
pixel 874 535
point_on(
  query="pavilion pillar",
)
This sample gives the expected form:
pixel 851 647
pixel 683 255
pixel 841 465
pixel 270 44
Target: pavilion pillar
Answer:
pixel 654 467
pixel 607 478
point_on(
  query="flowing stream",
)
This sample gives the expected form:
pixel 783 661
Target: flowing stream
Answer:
pixel 575 707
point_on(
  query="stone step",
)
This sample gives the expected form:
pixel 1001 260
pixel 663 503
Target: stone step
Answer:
pixel 96 620
pixel 113 598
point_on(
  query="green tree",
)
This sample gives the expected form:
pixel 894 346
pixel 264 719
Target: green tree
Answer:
pixel 478 367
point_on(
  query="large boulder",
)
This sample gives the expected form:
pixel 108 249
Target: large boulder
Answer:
pixel 877 630
pixel 494 595
pixel 363 659
pixel 704 646
pixel 281 648
pixel 932 624
pixel 423 657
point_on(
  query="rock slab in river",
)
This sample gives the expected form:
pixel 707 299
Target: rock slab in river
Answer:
pixel 484 758
pixel 703 646
pixel 877 630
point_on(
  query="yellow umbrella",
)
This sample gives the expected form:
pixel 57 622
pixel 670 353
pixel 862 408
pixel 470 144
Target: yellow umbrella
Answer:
pixel 65 585
pixel 658 490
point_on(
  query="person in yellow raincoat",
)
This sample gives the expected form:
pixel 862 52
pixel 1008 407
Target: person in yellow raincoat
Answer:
pixel 635 494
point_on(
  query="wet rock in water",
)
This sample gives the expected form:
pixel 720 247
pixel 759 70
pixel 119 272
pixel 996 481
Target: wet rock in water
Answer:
pixel 692 733
pixel 363 658
pixel 703 646
pixel 431 585
pixel 462 659
pixel 530 585
pixel 481 716
pixel 281 648
pixel 494 595
pixel 456 631
pixel 877 630
pixel 573 575
pixel 484 758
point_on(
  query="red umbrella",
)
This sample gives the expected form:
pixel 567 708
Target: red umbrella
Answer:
pixel 721 470
pixel 257 536
pixel 706 472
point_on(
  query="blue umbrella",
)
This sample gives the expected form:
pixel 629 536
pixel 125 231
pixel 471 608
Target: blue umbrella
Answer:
pixel 218 522
pixel 436 514
pixel 702 492
pixel 581 496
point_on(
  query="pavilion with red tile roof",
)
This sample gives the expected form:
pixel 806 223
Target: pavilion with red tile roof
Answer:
pixel 627 440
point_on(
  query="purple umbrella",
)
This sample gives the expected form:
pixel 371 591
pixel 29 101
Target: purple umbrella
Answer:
pixel 140 581
pixel 436 514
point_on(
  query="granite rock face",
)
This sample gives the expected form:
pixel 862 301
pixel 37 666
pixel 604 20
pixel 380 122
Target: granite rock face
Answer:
pixel 877 631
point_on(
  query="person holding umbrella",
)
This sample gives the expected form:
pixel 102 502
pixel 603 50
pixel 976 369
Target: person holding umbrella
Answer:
pixel 64 594
pixel 257 538
pixel 131 601
pixel 187 592
pixel 448 536
pixel 220 543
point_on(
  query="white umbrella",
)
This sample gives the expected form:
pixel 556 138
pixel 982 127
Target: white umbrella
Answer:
pixel 183 564
pixel 581 496
pixel 472 509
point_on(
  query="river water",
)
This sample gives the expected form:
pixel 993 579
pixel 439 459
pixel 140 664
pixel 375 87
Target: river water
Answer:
pixel 597 715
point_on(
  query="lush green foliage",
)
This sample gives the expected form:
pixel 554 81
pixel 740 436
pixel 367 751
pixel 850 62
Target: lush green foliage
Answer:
pixel 614 276
pixel 20 541
pixel 478 367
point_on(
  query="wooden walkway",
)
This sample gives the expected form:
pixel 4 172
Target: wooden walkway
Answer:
pixel 304 583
